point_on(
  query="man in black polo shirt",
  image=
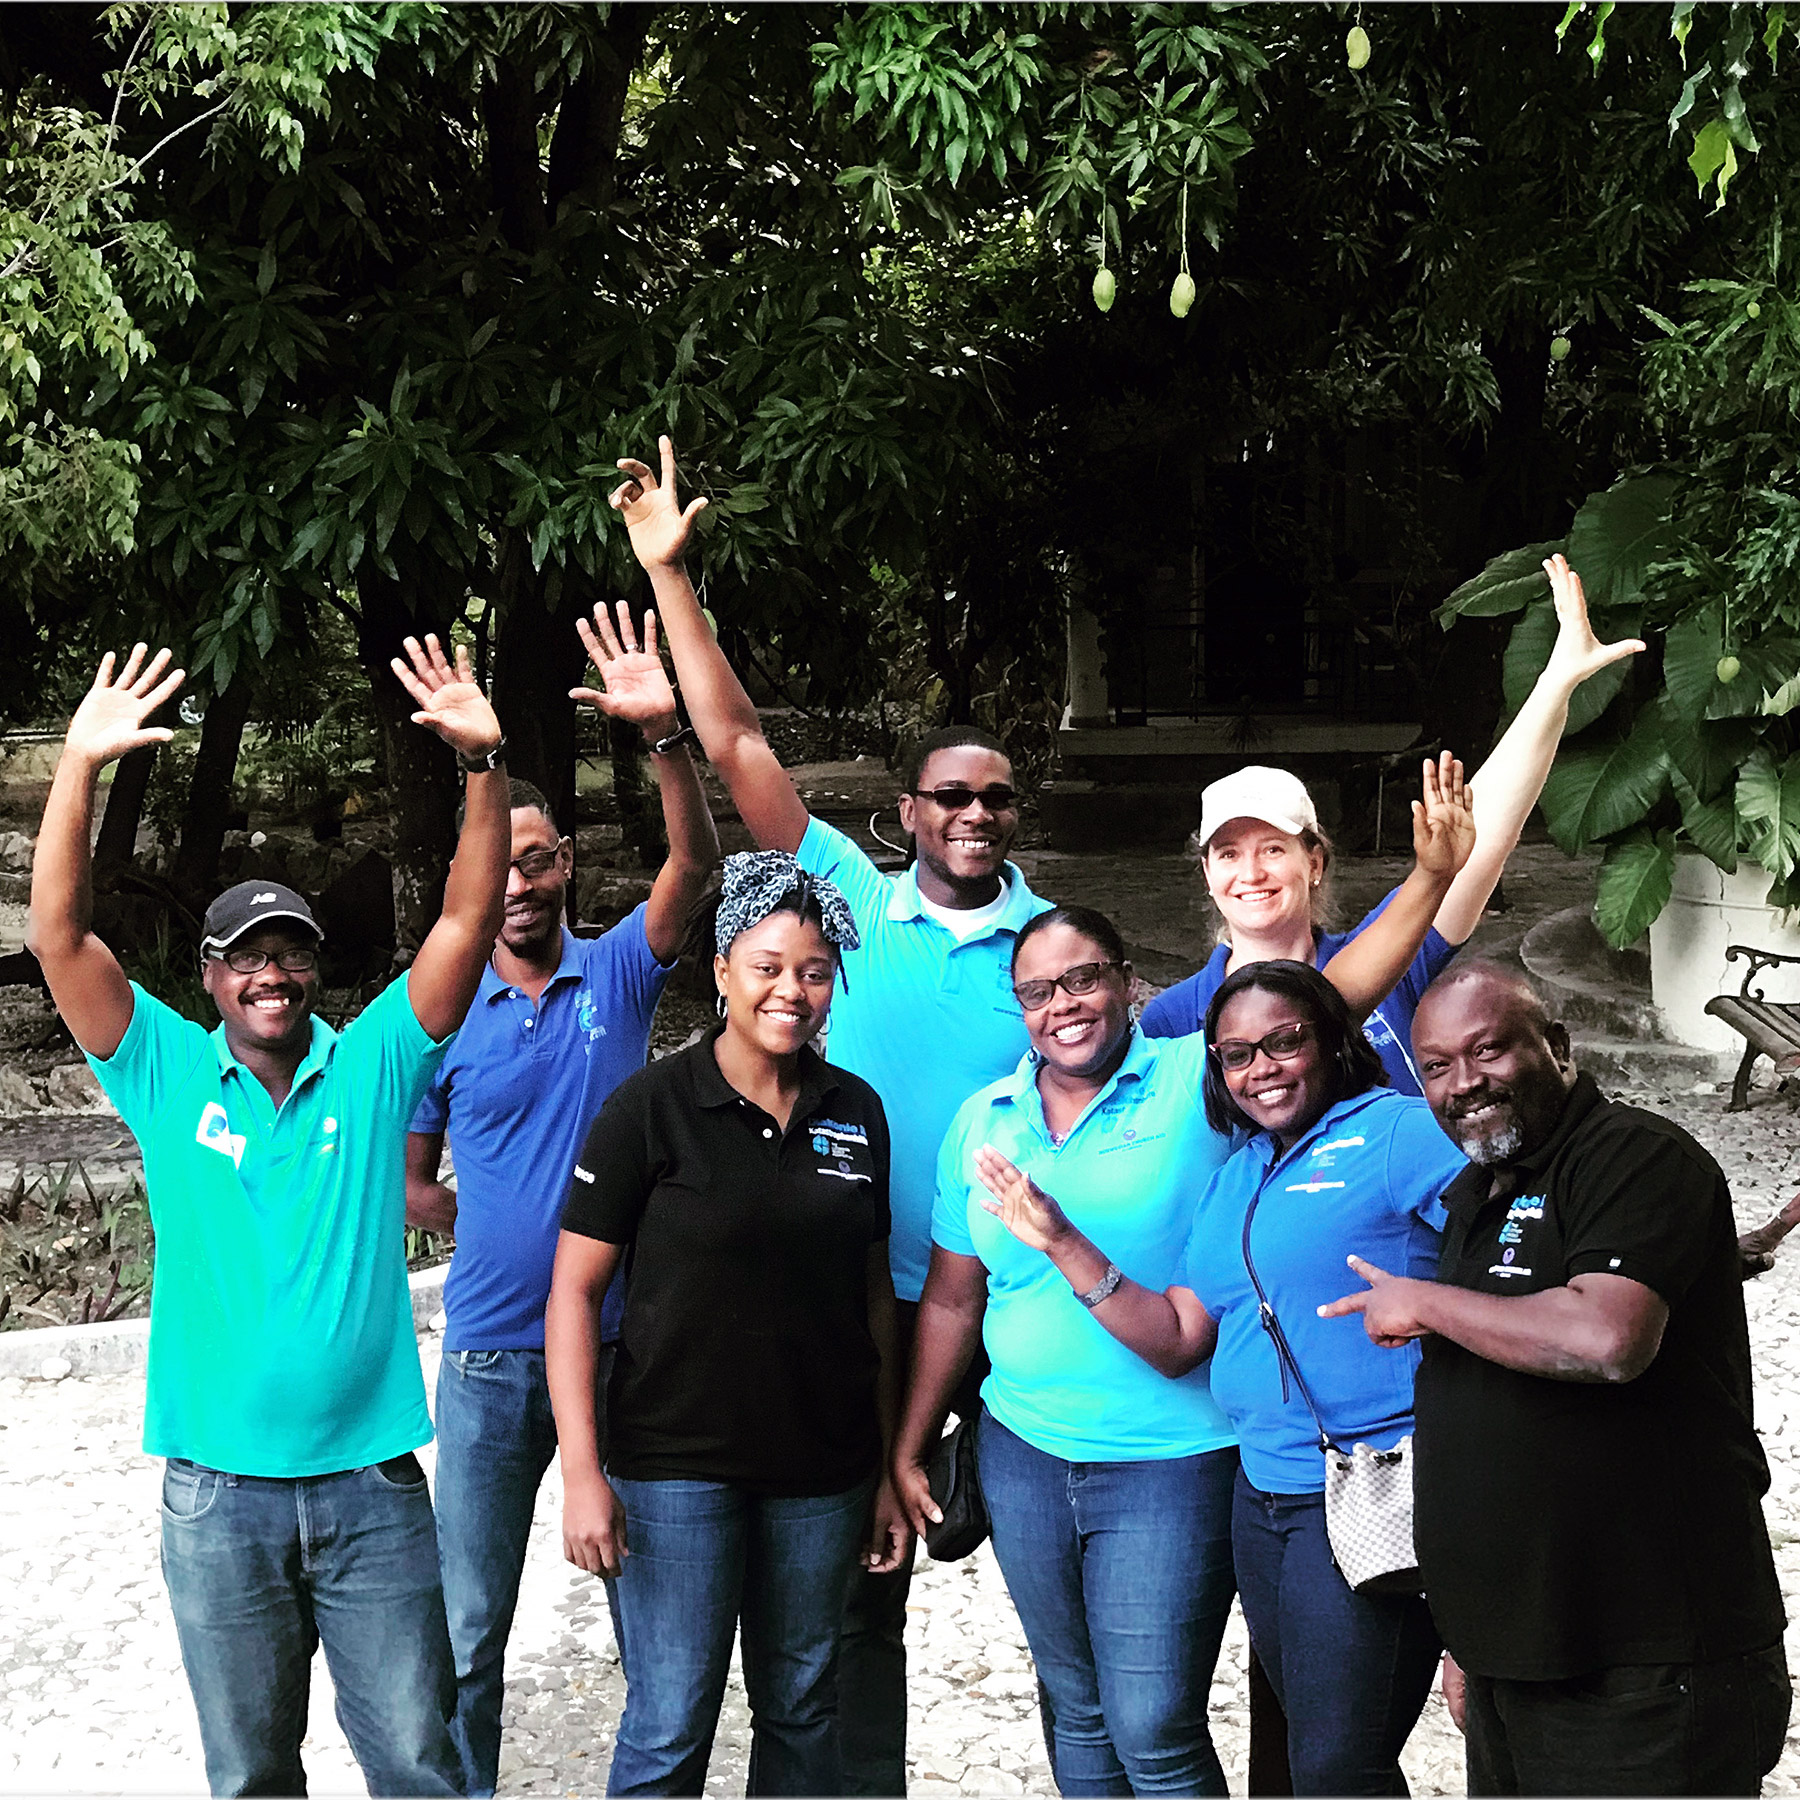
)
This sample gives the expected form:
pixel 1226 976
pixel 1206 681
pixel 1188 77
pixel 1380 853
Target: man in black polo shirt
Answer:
pixel 1588 1478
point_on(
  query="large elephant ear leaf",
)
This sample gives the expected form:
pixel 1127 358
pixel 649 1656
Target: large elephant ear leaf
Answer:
pixel 1635 882
pixel 1711 825
pixel 1768 803
pixel 1600 787
pixel 1510 581
pixel 1617 535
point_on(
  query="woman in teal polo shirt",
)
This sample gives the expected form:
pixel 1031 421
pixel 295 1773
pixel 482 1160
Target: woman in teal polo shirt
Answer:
pixel 1340 1164
pixel 1109 1486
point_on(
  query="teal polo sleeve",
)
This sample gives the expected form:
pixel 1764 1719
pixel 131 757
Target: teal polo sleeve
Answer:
pixel 842 861
pixel 155 1057
pixel 950 1199
pixel 387 1046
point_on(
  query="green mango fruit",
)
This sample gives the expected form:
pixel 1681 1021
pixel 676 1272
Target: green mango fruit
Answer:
pixel 1104 289
pixel 1559 348
pixel 1753 310
pixel 1727 671
pixel 1181 295
pixel 1356 48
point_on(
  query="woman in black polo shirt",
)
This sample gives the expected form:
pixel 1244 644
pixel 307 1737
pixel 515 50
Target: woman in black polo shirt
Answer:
pixel 752 1402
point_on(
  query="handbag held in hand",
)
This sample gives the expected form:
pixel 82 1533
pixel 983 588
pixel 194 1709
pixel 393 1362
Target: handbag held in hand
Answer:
pixel 955 1478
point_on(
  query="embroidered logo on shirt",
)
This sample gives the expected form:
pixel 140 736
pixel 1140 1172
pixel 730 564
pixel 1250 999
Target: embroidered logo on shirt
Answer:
pixel 587 1016
pixel 214 1131
pixel 1349 1143
pixel 1312 1187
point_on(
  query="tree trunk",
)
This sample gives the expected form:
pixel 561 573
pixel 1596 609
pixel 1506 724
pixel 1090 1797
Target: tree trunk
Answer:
pixel 423 782
pixel 116 845
pixel 209 792
pixel 640 813
pixel 537 659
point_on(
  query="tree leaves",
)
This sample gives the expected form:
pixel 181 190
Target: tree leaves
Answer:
pixel 1635 883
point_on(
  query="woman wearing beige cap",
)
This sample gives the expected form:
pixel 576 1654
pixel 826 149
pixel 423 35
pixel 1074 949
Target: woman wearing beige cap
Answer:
pixel 1265 857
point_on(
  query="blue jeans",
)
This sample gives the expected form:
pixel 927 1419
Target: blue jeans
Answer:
pixel 1121 1574
pixel 260 1572
pixel 496 1437
pixel 1352 1671
pixel 705 1557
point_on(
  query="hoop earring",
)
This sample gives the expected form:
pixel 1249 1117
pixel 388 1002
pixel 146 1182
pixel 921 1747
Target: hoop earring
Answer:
pixel 719 1004
pixel 902 849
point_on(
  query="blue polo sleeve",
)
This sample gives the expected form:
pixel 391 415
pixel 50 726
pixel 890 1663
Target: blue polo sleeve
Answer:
pixel 1172 1013
pixel 828 852
pixel 638 977
pixel 1421 1163
pixel 950 1201
pixel 156 1054
pixel 432 1114
pixel 388 1047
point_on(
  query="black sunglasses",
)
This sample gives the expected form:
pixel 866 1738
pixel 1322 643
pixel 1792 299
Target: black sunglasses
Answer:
pixel 956 798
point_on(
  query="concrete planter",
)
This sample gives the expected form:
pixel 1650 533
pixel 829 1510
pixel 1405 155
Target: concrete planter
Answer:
pixel 1708 910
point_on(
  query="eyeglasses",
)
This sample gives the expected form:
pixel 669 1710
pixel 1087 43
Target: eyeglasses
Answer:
pixel 537 862
pixel 249 962
pixel 1283 1044
pixel 1082 979
pixel 957 798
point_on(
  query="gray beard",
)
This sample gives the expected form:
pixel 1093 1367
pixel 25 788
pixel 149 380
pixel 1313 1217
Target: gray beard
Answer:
pixel 1497 1144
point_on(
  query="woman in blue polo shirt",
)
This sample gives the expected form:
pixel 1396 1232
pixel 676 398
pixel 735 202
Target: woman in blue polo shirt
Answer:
pixel 1267 863
pixel 1339 1161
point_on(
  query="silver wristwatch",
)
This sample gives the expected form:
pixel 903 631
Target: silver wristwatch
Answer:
pixel 1103 1287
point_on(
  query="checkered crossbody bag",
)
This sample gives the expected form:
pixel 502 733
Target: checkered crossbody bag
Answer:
pixel 1368 1493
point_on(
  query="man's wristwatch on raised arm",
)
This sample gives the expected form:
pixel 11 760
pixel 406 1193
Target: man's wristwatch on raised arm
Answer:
pixel 483 765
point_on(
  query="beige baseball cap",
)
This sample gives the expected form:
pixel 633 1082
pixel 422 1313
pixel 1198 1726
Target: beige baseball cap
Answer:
pixel 1271 795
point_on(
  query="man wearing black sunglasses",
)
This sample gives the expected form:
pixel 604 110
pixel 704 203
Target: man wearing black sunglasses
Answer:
pixel 283 1384
pixel 927 1014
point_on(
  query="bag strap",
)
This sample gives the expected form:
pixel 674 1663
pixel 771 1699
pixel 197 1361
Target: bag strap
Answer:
pixel 1284 1354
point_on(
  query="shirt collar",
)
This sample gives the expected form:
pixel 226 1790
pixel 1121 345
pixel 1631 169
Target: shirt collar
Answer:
pixel 1021 1085
pixel 905 903
pixel 318 1054
pixel 1327 1121
pixel 818 1080
pixel 1475 1186
pixel 494 985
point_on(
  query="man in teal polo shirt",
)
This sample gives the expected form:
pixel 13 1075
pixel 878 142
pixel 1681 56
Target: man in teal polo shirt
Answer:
pixel 284 1385
pixel 925 1015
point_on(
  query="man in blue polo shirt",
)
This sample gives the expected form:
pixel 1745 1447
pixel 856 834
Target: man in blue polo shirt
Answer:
pixel 925 1014
pixel 558 1022
pixel 283 1382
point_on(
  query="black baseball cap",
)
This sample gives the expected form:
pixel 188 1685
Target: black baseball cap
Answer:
pixel 249 905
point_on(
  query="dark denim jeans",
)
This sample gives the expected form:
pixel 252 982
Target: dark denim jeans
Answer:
pixel 1352 1672
pixel 872 1650
pixel 704 1558
pixel 1649 1728
pixel 260 1572
pixel 1121 1573
pixel 496 1436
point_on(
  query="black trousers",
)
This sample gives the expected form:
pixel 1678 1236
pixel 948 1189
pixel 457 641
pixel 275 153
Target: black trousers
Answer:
pixel 1650 1728
pixel 872 1650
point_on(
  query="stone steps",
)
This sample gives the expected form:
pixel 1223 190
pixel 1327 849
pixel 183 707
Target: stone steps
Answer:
pixel 1603 996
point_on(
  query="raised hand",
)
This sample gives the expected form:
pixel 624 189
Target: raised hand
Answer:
pixel 448 698
pixel 1387 1310
pixel 1444 821
pixel 652 510
pixel 633 682
pixel 1577 653
pixel 1019 1203
pixel 110 719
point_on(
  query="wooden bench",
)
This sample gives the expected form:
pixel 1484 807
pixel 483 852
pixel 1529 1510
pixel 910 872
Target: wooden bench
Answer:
pixel 1769 1028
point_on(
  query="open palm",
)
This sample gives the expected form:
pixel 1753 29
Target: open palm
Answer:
pixel 110 719
pixel 633 683
pixel 449 698
pixel 1444 820
pixel 1577 652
